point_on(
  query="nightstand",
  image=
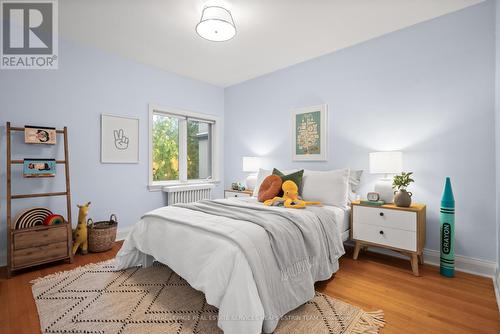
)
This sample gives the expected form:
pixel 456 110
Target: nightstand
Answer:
pixel 390 227
pixel 237 193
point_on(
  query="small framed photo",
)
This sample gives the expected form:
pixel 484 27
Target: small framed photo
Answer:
pixel 39 135
pixel 39 167
pixel 119 139
pixel 309 133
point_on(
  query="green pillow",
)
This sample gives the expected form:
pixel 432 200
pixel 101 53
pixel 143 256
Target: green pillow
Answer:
pixel 295 177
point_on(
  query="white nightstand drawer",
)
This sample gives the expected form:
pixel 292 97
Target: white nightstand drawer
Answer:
pixel 404 220
pixel 231 194
pixel 386 236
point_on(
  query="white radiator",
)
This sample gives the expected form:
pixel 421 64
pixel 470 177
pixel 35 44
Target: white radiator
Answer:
pixel 188 193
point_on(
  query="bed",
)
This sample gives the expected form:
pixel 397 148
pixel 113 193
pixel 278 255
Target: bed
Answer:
pixel 233 259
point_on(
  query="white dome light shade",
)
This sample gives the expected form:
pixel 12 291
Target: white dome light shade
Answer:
pixel 216 24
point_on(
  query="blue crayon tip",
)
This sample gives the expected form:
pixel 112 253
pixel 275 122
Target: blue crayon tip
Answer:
pixel 448 201
pixel 447 272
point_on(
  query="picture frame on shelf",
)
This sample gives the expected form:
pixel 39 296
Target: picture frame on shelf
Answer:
pixel 119 139
pixel 309 133
pixel 40 135
pixel 39 167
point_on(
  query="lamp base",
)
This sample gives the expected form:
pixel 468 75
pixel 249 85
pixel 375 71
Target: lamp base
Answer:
pixel 384 188
pixel 251 181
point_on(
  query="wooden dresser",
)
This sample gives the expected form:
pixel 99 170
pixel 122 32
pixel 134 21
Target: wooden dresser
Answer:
pixel 40 244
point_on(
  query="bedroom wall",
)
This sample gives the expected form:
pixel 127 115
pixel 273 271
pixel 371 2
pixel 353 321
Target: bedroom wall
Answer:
pixel 497 131
pixel 87 84
pixel 427 90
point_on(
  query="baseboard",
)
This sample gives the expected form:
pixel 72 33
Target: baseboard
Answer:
pixel 431 257
pixel 496 285
pixel 462 263
pixel 465 264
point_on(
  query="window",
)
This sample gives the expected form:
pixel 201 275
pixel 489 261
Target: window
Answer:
pixel 165 148
pixel 182 147
pixel 199 150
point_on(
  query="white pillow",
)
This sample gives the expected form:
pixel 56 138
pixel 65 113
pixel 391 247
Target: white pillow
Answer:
pixel 263 173
pixel 328 187
pixel 354 181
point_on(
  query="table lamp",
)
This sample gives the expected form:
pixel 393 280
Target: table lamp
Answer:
pixel 385 163
pixel 251 165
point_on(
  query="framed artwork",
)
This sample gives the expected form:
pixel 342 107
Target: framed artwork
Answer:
pixel 119 139
pixel 309 133
pixel 39 135
pixel 39 167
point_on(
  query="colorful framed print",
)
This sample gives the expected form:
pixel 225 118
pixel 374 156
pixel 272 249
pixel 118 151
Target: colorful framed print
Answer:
pixel 309 133
pixel 119 139
pixel 39 167
pixel 39 135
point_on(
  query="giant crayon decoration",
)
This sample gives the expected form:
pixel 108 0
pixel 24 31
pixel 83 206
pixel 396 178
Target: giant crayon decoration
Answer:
pixel 447 216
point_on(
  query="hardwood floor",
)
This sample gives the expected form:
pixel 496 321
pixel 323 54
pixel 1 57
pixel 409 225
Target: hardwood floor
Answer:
pixel 426 304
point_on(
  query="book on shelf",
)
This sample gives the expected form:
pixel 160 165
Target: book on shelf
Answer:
pixel 371 203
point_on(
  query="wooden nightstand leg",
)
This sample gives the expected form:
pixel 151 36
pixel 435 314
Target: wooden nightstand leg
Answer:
pixel 414 263
pixel 357 247
pixel 421 258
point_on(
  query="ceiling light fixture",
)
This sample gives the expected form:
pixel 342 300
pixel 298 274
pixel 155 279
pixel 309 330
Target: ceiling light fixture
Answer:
pixel 216 24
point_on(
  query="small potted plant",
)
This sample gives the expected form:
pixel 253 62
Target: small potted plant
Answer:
pixel 400 183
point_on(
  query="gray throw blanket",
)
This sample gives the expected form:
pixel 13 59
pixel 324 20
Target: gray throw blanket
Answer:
pixel 292 238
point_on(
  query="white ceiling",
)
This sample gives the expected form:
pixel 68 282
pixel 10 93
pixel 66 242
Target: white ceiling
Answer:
pixel 271 34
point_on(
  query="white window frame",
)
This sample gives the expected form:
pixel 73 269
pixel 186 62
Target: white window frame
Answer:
pixel 183 114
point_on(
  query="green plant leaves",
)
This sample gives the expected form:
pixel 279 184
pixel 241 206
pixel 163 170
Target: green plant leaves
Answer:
pixel 402 181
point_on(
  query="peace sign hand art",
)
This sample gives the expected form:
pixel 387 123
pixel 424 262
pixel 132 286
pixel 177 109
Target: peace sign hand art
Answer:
pixel 121 142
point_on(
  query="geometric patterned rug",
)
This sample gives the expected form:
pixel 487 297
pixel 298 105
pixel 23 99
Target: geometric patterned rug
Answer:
pixel 99 299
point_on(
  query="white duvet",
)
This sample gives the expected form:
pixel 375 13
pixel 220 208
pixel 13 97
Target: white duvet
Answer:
pixel 208 262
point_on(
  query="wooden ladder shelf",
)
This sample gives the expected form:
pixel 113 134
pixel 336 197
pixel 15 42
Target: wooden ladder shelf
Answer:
pixel 40 244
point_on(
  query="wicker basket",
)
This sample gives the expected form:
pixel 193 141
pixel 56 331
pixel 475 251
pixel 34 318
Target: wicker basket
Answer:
pixel 102 234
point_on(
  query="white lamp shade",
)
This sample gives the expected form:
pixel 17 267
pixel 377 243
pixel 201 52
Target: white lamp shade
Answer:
pixel 251 164
pixel 216 24
pixel 386 162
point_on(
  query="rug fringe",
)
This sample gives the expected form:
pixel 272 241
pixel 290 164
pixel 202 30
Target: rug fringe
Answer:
pixel 369 322
pixel 74 270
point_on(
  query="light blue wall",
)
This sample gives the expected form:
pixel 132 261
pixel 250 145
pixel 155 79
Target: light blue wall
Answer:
pixel 427 90
pixel 497 122
pixel 87 84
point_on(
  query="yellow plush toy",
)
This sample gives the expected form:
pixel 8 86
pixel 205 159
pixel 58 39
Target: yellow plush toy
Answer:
pixel 290 197
pixel 80 233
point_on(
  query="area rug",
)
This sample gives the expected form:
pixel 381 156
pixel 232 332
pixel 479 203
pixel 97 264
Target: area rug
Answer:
pixel 99 299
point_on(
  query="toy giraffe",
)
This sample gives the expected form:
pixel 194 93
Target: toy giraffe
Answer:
pixel 80 233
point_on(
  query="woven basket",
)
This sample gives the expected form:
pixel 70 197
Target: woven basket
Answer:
pixel 102 234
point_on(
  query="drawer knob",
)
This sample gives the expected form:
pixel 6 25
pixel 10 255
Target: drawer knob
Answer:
pixel 381 232
pixel 381 214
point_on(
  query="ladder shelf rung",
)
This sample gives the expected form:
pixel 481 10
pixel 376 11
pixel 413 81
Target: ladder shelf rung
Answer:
pixel 62 193
pixel 20 162
pixel 17 128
